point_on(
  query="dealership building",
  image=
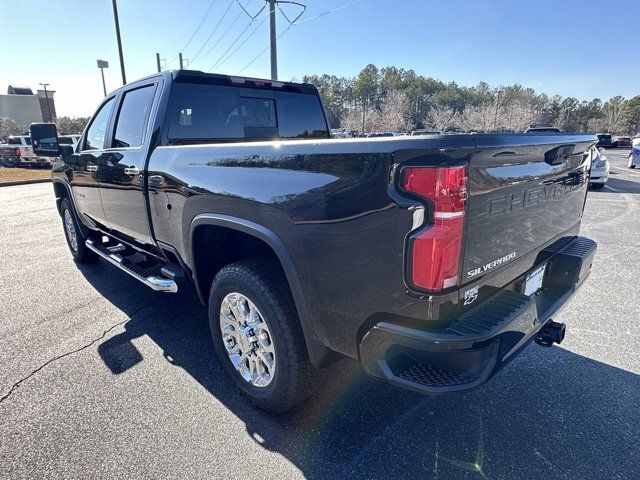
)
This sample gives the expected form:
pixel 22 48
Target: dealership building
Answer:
pixel 25 107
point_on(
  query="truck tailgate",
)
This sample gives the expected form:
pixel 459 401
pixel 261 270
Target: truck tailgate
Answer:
pixel 525 191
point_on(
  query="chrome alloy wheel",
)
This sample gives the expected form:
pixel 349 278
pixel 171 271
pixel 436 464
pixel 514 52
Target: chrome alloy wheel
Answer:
pixel 247 338
pixel 70 228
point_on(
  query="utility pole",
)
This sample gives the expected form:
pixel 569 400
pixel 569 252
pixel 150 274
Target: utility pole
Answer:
pixel 495 115
pixel 274 50
pixel 158 62
pixel 46 100
pixel 180 57
pixel 102 64
pixel 115 17
pixel 364 107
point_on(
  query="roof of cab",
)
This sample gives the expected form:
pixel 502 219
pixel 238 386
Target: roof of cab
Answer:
pixel 196 76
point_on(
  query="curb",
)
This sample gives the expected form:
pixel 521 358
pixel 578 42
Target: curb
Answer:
pixel 24 182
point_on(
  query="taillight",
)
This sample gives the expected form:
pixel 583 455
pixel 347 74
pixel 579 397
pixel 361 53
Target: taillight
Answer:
pixel 436 248
pixel 18 152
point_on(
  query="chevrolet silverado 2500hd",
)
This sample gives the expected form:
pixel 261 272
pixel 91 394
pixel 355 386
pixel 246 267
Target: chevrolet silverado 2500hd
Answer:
pixel 433 260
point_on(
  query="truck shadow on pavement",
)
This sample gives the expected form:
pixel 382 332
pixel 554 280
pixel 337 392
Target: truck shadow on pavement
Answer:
pixel 622 185
pixel 549 414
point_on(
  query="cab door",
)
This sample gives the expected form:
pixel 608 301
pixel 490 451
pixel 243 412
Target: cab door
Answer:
pixel 122 182
pixel 84 181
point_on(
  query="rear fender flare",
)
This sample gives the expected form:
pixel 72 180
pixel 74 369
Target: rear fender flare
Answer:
pixel 318 352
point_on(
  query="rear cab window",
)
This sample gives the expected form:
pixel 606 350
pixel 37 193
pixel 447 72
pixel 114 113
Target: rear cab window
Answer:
pixel 218 113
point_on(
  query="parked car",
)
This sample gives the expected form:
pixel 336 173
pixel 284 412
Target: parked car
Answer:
pixel 621 142
pixel 605 140
pixel 599 168
pixel 340 134
pixel 9 155
pixel 404 253
pixel 380 134
pixel 68 139
pixel 542 130
pixel 634 155
pixel 426 132
pixel 18 151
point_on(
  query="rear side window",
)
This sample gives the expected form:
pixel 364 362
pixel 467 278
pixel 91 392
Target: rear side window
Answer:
pixel 14 141
pixel 133 117
pixel 300 116
pixel 199 112
pixel 96 132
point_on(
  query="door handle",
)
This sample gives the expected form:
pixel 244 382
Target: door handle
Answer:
pixel 92 168
pixel 132 170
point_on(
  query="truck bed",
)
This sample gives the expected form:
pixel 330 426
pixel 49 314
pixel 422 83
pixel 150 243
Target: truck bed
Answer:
pixel 336 207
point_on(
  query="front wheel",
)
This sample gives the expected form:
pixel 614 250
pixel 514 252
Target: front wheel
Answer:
pixel 73 235
pixel 257 335
pixel 631 164
pixel 597 186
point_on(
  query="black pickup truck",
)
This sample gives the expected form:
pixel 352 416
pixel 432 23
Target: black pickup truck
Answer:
pixel 431 259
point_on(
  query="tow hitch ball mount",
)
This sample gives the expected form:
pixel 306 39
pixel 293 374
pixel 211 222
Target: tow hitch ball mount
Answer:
pixel 552 332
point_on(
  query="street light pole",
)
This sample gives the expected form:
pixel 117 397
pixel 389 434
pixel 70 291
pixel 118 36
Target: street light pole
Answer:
pixel 115 17
pixel 102 64
pixel 46 100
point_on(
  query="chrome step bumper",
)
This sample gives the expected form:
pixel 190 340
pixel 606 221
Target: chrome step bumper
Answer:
pixel 154 282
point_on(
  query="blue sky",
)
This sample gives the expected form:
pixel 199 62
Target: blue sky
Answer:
pixel 575 48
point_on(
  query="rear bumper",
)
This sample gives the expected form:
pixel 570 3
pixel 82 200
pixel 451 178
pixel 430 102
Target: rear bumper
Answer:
pixel 36 160
pixel 599 175
pixel 467 353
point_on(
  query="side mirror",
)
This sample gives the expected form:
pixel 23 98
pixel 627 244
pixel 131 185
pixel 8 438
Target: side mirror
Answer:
pixel 44 139
pixel 601 149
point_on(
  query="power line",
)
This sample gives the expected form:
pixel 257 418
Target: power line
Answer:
pixel 213 31
pixel 293 24
pixel 264 50
pixel 220 60
pixel 199 25
pixel 337 9
pixel 225 33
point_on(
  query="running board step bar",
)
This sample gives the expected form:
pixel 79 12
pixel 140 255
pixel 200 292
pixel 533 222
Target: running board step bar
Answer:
pixel 154 282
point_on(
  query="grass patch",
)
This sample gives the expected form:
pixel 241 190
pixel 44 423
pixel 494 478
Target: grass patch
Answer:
pixel 16 174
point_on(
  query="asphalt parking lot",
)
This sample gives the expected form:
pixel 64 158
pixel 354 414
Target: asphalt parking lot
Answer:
pixel 102 377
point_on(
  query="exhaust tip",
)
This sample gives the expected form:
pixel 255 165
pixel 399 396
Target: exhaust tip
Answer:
pixel 552 332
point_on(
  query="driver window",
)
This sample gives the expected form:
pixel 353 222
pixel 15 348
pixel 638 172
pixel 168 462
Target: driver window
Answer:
pixel 98 128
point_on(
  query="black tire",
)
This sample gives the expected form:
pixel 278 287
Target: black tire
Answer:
pixel 263 283
pixel 597 186
pixel 79 250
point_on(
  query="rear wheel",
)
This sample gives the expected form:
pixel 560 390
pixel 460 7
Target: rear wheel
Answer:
pixel 258 337
pixel 75 239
